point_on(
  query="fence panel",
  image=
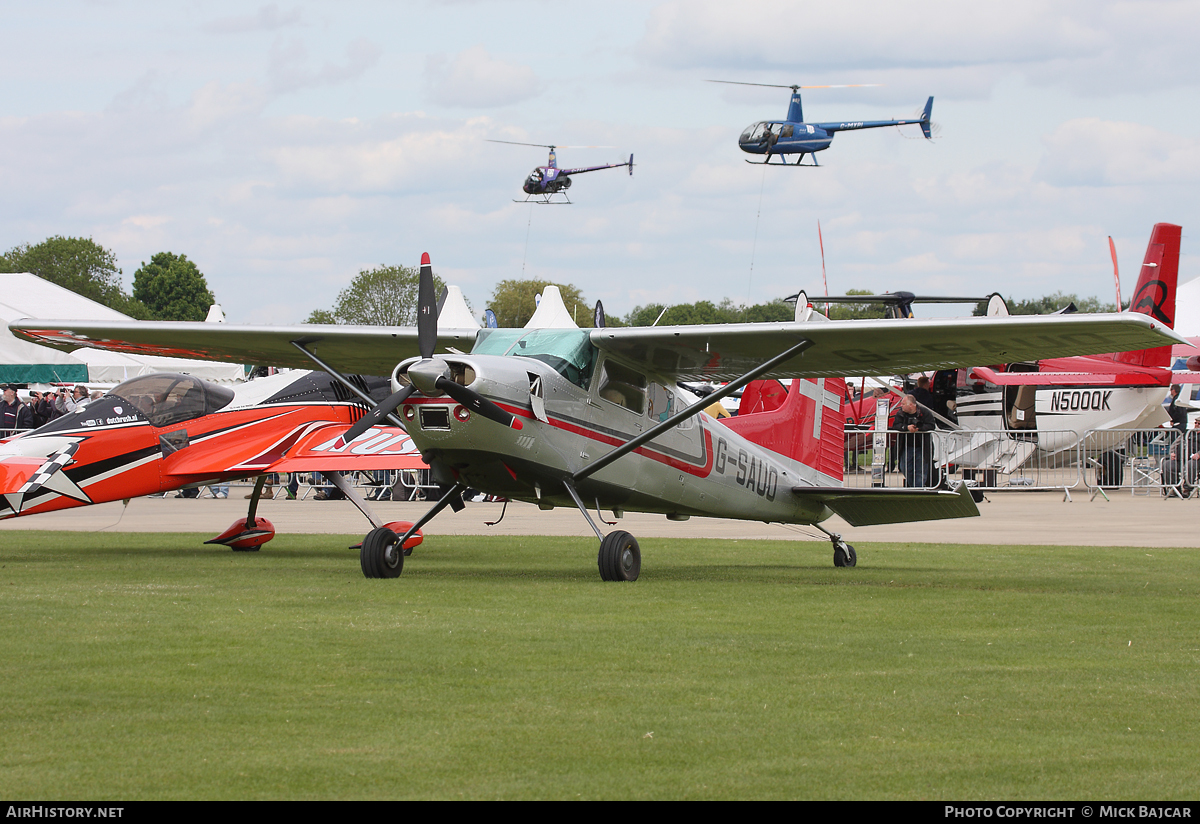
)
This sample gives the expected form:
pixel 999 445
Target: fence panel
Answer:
pixel 987 459
pixel 1144 461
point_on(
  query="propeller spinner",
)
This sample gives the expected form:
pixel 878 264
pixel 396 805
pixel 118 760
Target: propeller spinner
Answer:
pixel 430 376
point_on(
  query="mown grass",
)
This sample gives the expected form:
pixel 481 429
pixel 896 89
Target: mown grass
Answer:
pixel 150 666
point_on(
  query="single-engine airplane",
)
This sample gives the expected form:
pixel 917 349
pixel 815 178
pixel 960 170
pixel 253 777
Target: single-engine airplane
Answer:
pixel 548 184
pixel 793 136
pixel 165 431
pixel 589 417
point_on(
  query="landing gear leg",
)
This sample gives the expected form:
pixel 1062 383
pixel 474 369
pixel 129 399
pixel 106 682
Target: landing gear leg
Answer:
pixel 382 553
pixel 843 553
pixel 620 557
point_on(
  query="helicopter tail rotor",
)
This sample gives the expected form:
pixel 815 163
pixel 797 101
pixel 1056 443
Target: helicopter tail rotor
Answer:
pixel 926 125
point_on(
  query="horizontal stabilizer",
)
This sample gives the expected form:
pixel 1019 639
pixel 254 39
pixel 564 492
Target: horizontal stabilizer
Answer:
pixel 868 507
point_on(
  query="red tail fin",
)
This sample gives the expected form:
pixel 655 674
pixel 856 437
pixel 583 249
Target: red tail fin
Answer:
pixel 807 427
pixel 1155 292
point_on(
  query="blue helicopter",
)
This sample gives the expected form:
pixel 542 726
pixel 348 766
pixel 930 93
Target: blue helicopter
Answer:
pixel 794 136
pixel 548 184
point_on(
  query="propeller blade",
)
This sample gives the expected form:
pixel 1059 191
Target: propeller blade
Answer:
pixel 477 403
pixel 426 310
pixel 376 415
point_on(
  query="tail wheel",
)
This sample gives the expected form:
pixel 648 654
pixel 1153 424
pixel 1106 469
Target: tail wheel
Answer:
pixel 381 555
pixel 620 557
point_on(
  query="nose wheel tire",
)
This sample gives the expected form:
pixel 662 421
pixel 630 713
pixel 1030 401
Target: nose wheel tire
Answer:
pixel 620 557
pixel 381 555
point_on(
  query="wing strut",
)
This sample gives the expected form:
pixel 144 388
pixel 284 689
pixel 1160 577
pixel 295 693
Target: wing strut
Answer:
pixel 344 381
pixel 689 412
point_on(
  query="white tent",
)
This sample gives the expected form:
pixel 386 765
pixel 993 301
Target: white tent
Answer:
pixel 23 295
pixel 115 367
pixel 1187 309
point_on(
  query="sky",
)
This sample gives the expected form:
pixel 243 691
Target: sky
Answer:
pixel 284 146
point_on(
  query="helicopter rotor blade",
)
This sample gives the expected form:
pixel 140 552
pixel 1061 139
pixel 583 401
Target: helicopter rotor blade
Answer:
pixel 780 86
pixel 547 145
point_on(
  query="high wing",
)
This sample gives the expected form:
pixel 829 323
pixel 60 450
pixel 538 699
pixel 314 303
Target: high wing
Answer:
pixel 365 350
pixel 702 352
pixel 874 347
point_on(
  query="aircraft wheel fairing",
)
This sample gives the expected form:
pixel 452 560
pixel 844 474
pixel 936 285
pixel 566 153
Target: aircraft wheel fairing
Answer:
pixel 844 555
pixel 620 557
pixel 381 555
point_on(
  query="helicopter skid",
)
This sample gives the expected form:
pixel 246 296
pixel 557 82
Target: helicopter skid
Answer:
pixel 788 165
pixel 546 200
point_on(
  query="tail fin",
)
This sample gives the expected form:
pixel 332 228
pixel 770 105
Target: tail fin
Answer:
pixel 807 427
pixel 1155 291
pixel 795 109
pixel 925 115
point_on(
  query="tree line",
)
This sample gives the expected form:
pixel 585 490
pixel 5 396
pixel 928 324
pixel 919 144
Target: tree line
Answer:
pixel 169 287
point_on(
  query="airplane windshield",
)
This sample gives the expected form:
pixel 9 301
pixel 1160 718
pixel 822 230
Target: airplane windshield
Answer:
pixel 568 351
pixel 169 398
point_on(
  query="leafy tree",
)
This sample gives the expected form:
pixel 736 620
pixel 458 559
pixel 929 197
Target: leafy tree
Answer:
pixel 851 311
pixel 79 264
pixel 514 303
pixel 707 312
pixel 383 296
pixel 172 288
pixel 321 316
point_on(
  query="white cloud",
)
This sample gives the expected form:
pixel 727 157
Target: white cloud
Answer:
pixel 1093 46
pixel 267 18
pixel 288 67
pixel 474 79
pixel 1094 152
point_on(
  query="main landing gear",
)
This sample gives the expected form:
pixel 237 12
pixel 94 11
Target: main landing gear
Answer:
pixel 620 557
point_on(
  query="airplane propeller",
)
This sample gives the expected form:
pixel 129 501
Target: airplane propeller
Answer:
pixel 430 375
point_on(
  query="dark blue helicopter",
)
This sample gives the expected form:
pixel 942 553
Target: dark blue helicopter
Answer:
pixel 545 182
pixel 794 136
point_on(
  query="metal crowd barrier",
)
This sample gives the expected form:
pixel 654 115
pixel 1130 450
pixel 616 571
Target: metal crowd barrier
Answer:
pixel 1143 461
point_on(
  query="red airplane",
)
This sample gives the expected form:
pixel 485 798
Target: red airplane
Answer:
pixel 166 431
pixel 1117 390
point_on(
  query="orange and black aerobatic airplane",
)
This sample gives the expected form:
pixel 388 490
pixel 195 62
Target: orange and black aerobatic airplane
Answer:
pixel 166 431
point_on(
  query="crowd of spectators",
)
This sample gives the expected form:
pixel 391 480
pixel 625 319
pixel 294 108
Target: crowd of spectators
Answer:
pixel 20 414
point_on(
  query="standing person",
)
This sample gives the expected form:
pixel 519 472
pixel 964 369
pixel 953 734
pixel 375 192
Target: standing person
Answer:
pixel 14 416
pixel 1177 412
pixel 40 407
pixel 65 404
pixel 916 452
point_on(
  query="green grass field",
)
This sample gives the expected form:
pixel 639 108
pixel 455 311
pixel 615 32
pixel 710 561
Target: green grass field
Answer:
pixel 150 666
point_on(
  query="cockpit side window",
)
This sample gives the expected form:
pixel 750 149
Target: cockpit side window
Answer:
pixel 167 398
pixel 623 386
